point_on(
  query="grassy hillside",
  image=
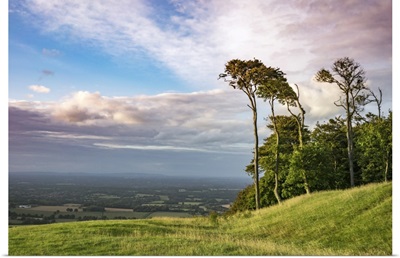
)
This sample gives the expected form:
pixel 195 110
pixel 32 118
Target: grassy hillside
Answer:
pixel 350 222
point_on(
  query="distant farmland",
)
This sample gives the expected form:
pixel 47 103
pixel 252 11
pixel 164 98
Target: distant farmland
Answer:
pixel 109 213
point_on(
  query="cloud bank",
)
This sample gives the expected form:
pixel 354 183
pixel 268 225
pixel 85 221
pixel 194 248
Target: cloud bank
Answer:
pixel 212 120
pixel 211 123
pixel 177 131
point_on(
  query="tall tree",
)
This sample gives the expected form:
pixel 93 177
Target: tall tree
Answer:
pixel 247 76
pixel 287 130
pixel 271 91
pixel 349 76
pixel 292 99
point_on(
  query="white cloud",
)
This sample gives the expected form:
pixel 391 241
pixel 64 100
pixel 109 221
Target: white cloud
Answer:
pixel 91 108
pixel 63 135
pixel 318 100
pixel 160 148
pixel 194 39
pixel 39 88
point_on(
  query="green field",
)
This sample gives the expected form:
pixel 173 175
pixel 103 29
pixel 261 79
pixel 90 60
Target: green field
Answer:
pixel 348 222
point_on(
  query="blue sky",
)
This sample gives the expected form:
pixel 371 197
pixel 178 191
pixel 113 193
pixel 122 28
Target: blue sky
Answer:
pixel 131 86
pixel 73 65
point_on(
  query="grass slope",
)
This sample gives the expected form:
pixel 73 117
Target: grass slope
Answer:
pixel 349 222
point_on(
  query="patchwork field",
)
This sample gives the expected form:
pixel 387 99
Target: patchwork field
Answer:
pixel 109 213
pixel 50 198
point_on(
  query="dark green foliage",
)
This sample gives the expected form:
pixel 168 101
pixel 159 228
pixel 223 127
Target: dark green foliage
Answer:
pixel 310 162
pixel 374 149
pixel 335 155
pixel 349 76
pixel 67 216
pixel 244 201
pixel 331 138
pixel 94 208
pixel 323 158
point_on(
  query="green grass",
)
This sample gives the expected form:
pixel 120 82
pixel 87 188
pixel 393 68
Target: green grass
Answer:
pixel 350 222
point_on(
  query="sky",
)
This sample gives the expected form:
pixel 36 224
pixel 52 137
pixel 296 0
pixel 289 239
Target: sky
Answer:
pixel 131 85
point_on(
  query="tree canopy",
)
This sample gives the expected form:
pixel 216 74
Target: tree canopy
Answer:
pixel 295 160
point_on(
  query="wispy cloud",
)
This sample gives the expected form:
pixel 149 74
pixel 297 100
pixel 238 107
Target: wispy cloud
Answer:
pixel 39 88
pixel 195 38
pixel 163 148
pixel 51 52
pixel 63 135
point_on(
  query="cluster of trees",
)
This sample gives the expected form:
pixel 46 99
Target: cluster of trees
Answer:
pixel 150 208
pixel 72 210
pixel 294 160
pixel 94 208
pixel 66 216
pixel 31 219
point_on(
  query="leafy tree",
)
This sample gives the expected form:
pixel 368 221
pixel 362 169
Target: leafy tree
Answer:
pixel 331 137
pixel 310 162
pixel 349 76
pixel 374 143
pixel 286 126
pixel 271 91
pixel 247 76
pixel 292 99
pixel 245 200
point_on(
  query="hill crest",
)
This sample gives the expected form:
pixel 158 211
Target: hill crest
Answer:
pixel 356 221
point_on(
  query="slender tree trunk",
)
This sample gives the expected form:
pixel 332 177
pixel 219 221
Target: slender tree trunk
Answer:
pixel 300 127
pixel 276 192
pixel 335 169
pixel 306 185
pixel 300 123
pixel 256 181
pixel 253 107
pixel 349 134
pixel 350 150
pixel 387 166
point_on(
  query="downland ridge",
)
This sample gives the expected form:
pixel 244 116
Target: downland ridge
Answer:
pixel 355 221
